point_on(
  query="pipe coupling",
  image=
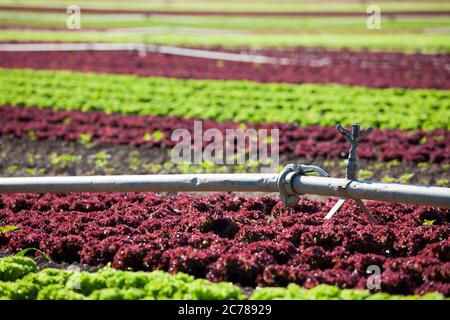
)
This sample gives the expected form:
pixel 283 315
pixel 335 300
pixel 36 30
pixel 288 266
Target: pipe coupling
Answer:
pixel 286 178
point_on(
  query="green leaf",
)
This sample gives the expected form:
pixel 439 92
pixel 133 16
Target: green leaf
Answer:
pixel 85 138
pixel 9 228
pixel 147 136
pixel 158 135
pixel 428 222
pixel 23 252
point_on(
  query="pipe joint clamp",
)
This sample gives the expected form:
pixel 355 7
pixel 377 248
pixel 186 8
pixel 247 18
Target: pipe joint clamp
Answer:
pixel 286 178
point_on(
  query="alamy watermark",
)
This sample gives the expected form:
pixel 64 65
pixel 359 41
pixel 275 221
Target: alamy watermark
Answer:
pixel 374 280
pixel 73 21
pixel 74 282
pixel 236 146
pixel 374 20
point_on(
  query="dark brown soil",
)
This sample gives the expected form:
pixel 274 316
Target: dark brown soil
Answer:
pixel 44 263
pixel 26 157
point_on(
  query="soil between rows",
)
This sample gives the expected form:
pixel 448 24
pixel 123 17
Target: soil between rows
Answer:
pixel 27 157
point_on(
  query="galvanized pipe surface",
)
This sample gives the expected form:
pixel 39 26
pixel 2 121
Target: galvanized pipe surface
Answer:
pixel 178 51
pixel 252 182
pixel 134 183
pixel 369 190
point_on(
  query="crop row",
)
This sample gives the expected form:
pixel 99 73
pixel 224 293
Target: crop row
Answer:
pixel 221 24
pixel 305 104
pixel 370 69
pixel 232 7
pixel 28 157
pixel 237 239
pixel 20 279
pixel 155 131
pixel 423 42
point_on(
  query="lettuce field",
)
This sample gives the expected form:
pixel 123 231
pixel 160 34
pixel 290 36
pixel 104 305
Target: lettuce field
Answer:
pixel 113 112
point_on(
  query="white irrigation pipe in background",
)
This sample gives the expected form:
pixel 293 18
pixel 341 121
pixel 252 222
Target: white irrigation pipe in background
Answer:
pixel 195 53
pixel 252 182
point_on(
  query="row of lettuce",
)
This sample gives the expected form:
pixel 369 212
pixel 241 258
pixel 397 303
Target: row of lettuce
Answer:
pixel 310 142
pixel 306 104
pixel 21 279
pixel 230 7
pixel 423 42
pixel 387 69
pixel 254 23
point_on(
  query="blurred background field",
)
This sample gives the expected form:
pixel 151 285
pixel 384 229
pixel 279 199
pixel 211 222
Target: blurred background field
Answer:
pixel 105 99
pixel 238 6
pixel 334 24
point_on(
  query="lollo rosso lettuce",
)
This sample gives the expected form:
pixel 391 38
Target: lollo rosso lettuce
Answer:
pixel 387 69
pixel 246 241
pixel 155 131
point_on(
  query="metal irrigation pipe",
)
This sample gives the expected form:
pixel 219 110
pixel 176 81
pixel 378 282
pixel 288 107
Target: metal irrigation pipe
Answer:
pixel 138 183
pixel 370 190
pixel 289 183
pixel 178 51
